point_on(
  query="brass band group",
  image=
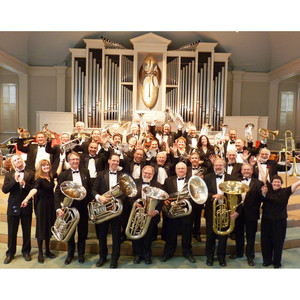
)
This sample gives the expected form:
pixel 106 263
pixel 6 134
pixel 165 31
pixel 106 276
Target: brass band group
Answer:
pixel 127 182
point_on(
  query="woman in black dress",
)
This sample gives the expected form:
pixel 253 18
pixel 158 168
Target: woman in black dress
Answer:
pixel 44 207
pixel 274 220
pixel 205 150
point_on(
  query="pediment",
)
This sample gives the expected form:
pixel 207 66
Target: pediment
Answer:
pixel 150 39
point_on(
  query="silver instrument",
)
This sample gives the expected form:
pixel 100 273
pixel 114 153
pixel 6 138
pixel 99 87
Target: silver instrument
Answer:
pixel 175 117
pixel 64 227
pixel 69 145
pixel 139 220
pixel 100 212
pixel 248 131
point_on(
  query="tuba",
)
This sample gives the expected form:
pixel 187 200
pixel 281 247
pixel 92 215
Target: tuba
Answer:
pixel 100 212
pixel 139 220
pixel 222 223
pixel 64 227
pixel 180 205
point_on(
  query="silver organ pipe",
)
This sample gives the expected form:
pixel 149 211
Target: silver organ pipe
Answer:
pixel 75 91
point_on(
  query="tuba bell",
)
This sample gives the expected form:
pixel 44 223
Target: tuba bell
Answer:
pixel 222 223
pixel 180 205
pixel 100 212
pixel 139 220
pixel 64 227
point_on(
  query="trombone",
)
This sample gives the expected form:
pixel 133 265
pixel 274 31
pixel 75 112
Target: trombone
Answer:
pixel 290 151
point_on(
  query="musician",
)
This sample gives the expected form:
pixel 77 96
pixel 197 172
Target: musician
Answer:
pixel 232 167
pixel 135 132
pixel 230 144
pixel 18 183
pixel 133 167
pixel 117 139
pixel 212 181
pixel 80 132
pixel 172 185
pixel 192 138
pixel 96 138
pixel 132 144
pixel 205 150
pixel 152 151
pixel 242 152
pixel 82 177
pixel 104 182
pixel 163 167
pixel 165 136
pixel 179 152
pixel 247 215
pixel 274 220
pixel 142 247
pixel 263 162
pixel 35 152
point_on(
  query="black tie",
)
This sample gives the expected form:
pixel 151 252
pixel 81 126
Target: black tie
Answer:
pixel 148 183
pixel 74 172
pixel 230 165
pixel 219 176
pixel 181 178
pixel 195 169
pixel 93 157
pixel 232 142
pixel 244 178
pixel 137 163
pixel 41 146
pixel 240 152
pixel 22 171
pixel 263 163
pixel 166 134
pixel 113 173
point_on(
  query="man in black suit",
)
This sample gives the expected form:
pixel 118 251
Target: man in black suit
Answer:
pixel 80 132
pixel 96 138
pixel 212 181
pixel 232 167
pixel 18 183
pixel 163 167
pixel 135 132
pixel 191 137
pixel 35 152
pixel 230 144
pixel 247 215
pixel 142 247
pixel 184 223
pixel 133 167
pixel 104 182
pixel 82 177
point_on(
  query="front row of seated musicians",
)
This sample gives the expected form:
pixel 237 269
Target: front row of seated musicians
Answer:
pixel 167 162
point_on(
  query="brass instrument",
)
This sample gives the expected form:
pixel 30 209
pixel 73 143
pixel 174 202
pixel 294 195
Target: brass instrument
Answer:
pixel 139 220
pixel 265 133
pixel 219 141
pixel 64 227
pixel 175 117
pixel 69 145
pixel 100 212
pixel 248 131
pixel 205 128
pixel 290 151
pixel 222 223
pixel 180 205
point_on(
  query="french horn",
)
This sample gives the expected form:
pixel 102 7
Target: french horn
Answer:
pixel 222 223
pixel 180 205
pixel 64 227
pixel 139 220
pixel 100 212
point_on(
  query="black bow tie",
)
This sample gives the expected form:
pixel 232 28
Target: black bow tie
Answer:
pixel 22 171
pixel 230 165
pixel 180 178
pixel 148 183
pixel 74 172
pixel 93 157
pixel 240 152
pixel 166 133
pixel 137 163
pixel 195 169
pixel 244 178
pixel 113 173
pixel 42 146
pixel 232 142
pixel 219 176
pixel 263 163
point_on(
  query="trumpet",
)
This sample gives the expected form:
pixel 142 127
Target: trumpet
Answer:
pixel 100 212
pixel 138 222
pixel 222 223
pixel 265 133
pixel 64 227
pixel 180 205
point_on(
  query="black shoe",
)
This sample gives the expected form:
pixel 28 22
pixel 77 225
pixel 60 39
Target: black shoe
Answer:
pixel 234 256
pixel 277 266
pixel 164 258
pixel 137 259
pixel 8 259
pixel 101 262
pixel 222 262
pixel 266 264
pixel 148 261
pixel 113 264
pixel 209 262
pixel 81 259
pixel 250 262
pixel 41 258
pixel 50 254
pixel 27 256
pixel 190 258
pixel 68 260
pixel 197 237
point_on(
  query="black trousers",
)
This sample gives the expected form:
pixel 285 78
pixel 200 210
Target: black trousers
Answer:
pixel 211 242
pixel 102 231
pixel 272 239
pixel 13 225
pixel 250 226
pixel 197 211
pixel 173 227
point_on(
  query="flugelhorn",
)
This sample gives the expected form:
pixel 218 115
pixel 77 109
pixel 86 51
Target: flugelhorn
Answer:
pixel 266 133
pixel 100 212
pixel 222 222
pixel 64 227
pixel 139 220
pixel 180 205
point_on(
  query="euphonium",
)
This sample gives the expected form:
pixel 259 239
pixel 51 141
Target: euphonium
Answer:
pixel 222 223
pixel 64 227
pixel 100 212
pixel 139 220
pixel 180 205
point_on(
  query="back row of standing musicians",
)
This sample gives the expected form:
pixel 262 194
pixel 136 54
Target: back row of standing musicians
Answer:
pixel 97 163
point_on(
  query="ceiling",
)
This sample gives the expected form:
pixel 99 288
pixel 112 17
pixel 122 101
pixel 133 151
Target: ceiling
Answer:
pixel 252 51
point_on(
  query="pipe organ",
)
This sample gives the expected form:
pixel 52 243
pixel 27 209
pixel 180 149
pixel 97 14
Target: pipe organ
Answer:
pixel 106 87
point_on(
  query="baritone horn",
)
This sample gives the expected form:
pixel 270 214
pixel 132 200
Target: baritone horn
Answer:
pixel 222 222
pixel 180 205
pixel 100 212
pixel 266 133
pixel 139 220
pixel 64 227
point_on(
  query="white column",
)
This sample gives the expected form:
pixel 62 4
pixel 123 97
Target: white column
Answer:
pixel 237 80
pixel 23 101
pixel 60 87
pixel 273 104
